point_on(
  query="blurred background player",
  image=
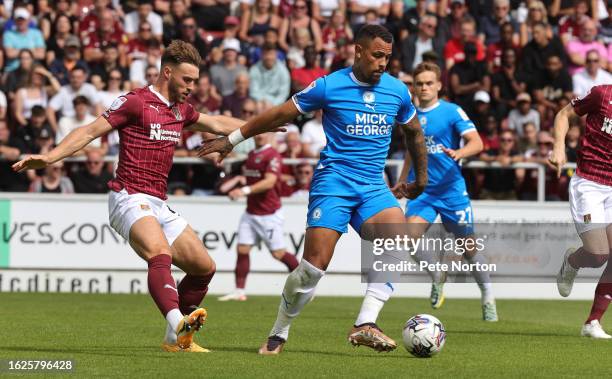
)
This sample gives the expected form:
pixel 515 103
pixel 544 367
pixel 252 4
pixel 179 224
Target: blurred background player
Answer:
pixel 263 219
pixel 360 104
pixel 590 197
pixel 445 125
pixel 150 121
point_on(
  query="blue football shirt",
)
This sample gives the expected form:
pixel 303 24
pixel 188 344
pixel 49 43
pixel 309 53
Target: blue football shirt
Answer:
pixel 443 125
pixel 358 120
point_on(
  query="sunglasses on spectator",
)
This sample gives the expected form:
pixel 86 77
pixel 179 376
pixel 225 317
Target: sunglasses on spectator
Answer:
pixel 188 26
pixel 145 29
pixel 535 9
pixel 248 111
pixel 304 172
pixel 429 26
pixel 114 78
pixel 507 140
pixel 596 60
pixel 93 162
pixel 544 143
pixel 299 7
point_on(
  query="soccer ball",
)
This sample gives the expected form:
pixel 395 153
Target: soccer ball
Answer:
pixel 424 336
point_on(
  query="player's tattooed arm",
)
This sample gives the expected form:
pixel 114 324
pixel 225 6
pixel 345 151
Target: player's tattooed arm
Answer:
pixel 73 142
pixel 415 143
pixel 561 127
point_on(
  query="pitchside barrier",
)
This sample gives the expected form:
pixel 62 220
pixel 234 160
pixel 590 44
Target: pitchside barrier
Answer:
pixel 63 243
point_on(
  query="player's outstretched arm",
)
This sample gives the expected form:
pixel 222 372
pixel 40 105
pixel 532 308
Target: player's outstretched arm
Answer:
pixel 558 157
pixel 218 124
pixel 415 143
pixel 267 183
pixel 267 121
pixel 473 145
pixel 74 141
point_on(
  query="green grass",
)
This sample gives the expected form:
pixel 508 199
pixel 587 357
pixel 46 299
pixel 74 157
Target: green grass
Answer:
pixel 119 336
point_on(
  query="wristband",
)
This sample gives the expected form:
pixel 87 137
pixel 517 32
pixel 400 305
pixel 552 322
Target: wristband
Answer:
pixel 246 190
pixel 235 137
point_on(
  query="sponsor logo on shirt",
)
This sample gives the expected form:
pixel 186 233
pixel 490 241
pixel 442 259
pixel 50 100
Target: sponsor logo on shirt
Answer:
pixel 370 124
pixel 159 134
pixel 433 147
pixel 607 125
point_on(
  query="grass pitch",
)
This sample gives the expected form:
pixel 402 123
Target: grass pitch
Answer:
pixel 119 336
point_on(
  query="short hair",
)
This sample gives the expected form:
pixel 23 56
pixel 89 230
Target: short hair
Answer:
pixel 81 100
pixel 268 47
pixel 38 111
pixel 181 52
pixel 371 31
pixel 427 66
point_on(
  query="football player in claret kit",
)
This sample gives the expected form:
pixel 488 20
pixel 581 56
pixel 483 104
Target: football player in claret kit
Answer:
pixel 590 197
pixel 361 104
pixel 149 121
pixel 263 218
pixel 445 125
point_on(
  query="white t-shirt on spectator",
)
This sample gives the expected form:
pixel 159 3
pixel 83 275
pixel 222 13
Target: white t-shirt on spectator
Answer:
pixel 67 124
pixel 360 18
pixel 132 22
pixel 62 101
pixel 105 99
pixel 138 70
pixel 516 120
pixel 313 134
pixel 583 81
pixel 327 6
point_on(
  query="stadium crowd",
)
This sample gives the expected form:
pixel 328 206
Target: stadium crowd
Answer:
pixel 510 64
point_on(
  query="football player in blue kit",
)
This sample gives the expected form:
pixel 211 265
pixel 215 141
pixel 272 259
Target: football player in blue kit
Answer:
pixel 361 104
pixel 445 126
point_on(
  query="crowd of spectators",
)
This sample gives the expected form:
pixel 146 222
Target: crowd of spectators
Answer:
pixel 511 64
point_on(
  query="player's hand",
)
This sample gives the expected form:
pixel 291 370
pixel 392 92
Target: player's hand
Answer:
pixel 236 194
pixel 408 190
pixel 557 160
pixel 31 162
pixel 398 190
pixel 455 154
pixel 220 145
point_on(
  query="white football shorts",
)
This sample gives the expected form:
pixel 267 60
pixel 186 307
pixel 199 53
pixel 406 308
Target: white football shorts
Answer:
pixel 266 228
pixel 590 204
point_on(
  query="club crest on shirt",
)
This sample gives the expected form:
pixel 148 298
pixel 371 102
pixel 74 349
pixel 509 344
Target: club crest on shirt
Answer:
pixel 177 113
pixel 368 97
pixel 118 103
pixel 587 218
pixel 145 207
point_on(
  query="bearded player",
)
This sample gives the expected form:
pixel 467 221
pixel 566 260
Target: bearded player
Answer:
pixel 150 121
pixel 263 219
pixel 445 126
pixel 360 104
pixel 590 197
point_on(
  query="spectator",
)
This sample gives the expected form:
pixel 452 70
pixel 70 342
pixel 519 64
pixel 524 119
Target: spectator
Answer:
pixel 529 187
pixel 572 140
pixel 92 22
pixel 10 150
pixel 62 101
pixel 188 32
pixel 295 55
pixel 412 18
pixel 489 133
pixel 571 24
pixel 313 136
pixel 555 84
pixel 605 26
pixel 537 51
pixel 151 75
pixel 303 179
pixel 450 26
pixel 454 48
pixel 591 76
pixel 257 21
pixel 344 58
pixel 336 32
pixel 270 38
pixel 577 49
pixel 18 78
pixel 359 8
pixel 224 74
pixel 82 116
pixel 172 20
pixel 507 84
pixel 536 14
pixel 22 37
pixel 299 19
pixel 60 67
pixel 468 77
pixel 101 71
pixel 529 138
pixel 302 77
pixel 501 183
pixel 481 110
pixel 144 12
pixel 137 47
pixel 105 99
pixel 496 51
pixel 138 68
pixel 210 14
pixel 270 80
pixel 94 177
pixel 47 18
pixel 33 93
pixel 423 40
pixel 107 33
pixel 323 10
pixel 489 31
pixel 56 44
pixel 523 114
pixel 29 134
pixel 248 111
pixel 232 104
pixel 53 181
pixel 205 98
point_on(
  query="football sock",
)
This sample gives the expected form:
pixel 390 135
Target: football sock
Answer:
pixel 483 278
pixel 582 258
pixel 431 258
pixel 376 296
pixel 603 295
pixel 191 291
pixel 243 264
pixel 289 260
pixel 298 291
pixel 161 284
pixel 174 318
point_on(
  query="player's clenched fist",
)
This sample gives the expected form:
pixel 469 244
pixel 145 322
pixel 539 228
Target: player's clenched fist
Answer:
pixel 558 160
pixel 218 145
pixel 407 190
pixel 31 162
